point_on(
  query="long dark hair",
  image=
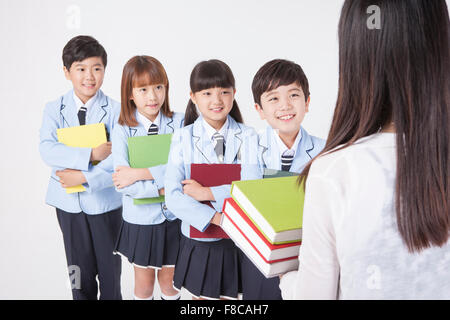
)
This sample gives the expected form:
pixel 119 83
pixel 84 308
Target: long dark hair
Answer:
pixel 400 73
pixel 211 74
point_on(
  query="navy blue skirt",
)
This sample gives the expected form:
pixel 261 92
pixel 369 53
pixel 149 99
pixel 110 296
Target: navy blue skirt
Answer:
pixel 208 269
pixel 149 246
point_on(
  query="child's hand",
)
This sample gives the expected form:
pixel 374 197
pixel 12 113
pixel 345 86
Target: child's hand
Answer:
pixel 195 190
pixel 161 192
pixel 124 176
pixel 70 178
pixel 217 219
pixel 101 152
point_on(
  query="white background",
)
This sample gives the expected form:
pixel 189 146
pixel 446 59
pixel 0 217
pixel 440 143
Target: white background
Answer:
pixel 244 34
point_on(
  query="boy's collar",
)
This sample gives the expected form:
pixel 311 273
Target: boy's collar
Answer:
pixel 282 146
pixel 88 104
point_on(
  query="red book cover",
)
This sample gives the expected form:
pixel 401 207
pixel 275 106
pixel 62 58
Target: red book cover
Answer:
pixel 254 247
pixel 212 175
pixel 252 225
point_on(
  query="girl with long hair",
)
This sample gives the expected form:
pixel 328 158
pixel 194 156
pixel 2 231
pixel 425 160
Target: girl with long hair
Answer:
pixel 376 218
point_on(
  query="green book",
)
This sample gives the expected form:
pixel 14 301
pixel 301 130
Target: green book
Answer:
pixel 274 173
pixel 149 151
pixel 274 205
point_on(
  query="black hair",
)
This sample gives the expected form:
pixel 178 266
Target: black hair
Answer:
pixel 278 73
pixel 80 48
pixel 399 74
pixel 211 74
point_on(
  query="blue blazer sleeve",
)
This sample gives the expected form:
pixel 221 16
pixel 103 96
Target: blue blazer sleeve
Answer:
pixel 158 173
pixel 220 193
pixel 99 177
pixel 252 167
pixel 139 189
pixel 183 206
pixel 55 154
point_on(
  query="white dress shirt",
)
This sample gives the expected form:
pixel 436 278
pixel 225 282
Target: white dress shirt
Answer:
pixel 284 150
pixel 146 122
pixel 87 105
pixel 351 246
pixel 211 131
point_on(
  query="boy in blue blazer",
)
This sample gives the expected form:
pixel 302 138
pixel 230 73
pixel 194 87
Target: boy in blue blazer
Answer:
pixel 89 220
pixel 281 94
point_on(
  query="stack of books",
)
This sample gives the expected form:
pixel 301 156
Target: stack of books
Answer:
pixel 264 219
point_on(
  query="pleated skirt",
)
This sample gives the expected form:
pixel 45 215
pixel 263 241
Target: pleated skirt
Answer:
pixel 208 270
pixel 149 246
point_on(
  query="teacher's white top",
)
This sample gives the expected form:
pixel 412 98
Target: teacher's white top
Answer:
pixel 351 247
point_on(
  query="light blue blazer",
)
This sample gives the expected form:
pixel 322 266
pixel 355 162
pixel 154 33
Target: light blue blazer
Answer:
pixel 265 151
pixel 146 214
pixel 100 196
pixel 191 144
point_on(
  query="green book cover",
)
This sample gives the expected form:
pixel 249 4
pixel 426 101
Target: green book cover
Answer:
pixel 275 206
pixel 274 173
pixel 149 151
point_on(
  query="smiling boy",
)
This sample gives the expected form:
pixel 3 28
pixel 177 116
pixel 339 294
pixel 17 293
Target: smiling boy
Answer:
pixel 281 94
pixel 89 220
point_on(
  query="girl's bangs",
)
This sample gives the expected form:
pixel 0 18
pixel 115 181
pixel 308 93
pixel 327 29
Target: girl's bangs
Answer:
pixel 217 81
pixel 146 75
pixel 211 75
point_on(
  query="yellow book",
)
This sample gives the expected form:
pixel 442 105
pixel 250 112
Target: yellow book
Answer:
pixel 86 136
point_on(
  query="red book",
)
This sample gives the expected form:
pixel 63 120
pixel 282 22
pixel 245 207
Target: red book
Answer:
pixel 269 252
pixel 212 175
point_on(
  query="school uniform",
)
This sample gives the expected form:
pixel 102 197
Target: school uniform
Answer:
pixel 150 234
pixel 206 267
pixel 272 153
pixel 89 220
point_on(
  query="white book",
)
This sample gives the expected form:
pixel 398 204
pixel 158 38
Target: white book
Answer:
pixel 269 270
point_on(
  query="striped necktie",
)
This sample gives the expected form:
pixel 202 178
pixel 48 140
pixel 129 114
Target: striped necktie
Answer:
pixel 82 116
pixel 286 161
pixel 220 146
pixel 152 130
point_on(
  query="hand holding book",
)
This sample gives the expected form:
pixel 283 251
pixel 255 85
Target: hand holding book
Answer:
pixel 87 136
pixel 101 152
pixel 196 191
pixel 125 176
pixel 212 175
pixel 70 177
pixel 217 218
